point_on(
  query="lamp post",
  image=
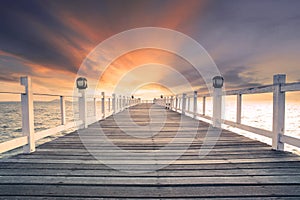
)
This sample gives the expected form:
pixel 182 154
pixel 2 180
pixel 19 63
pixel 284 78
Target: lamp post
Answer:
pixel 131 101
pixel 103 104
pixel 218 82
pixel 195 101
pixel 81 84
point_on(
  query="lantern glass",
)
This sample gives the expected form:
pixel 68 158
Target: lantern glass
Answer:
pixel 81 83
pixel 218 81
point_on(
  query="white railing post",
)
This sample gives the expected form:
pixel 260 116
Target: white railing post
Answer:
pixel 109 105
pixel 114 103
pixel 103 104
pixel 120 103
pixel 176 103
pixel 217 101
pixel 63 110
pixel 239 109
pixel 27 115
pixel 123 103
pixel 183 103
pixel 203 105
pixel 195 101
pixel 278 111
pixel 171 103
pixel 217 107
pixel 83 107
pixel 95 107
pixel 188 104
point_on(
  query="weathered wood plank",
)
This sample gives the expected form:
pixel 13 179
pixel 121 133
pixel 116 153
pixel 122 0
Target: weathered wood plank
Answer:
pixel 161 173
pixel 210 191
pixel 146 180
pixel 236 167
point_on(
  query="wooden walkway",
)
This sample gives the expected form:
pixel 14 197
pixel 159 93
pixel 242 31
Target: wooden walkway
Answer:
pixel 236 167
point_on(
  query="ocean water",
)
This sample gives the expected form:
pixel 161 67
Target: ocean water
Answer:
pixel 259 115
pixel 47 115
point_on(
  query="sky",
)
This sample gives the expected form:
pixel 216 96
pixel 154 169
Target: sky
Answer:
pixel 249 41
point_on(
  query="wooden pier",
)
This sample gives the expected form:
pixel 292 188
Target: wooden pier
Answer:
pixel 236 167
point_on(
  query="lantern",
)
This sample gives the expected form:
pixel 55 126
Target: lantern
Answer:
pixel 81 83
pixel 218 81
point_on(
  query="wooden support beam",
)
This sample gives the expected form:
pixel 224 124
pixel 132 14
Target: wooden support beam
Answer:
pixel 63 110
pixel 27 114
pixel 278 111
pixel 239 109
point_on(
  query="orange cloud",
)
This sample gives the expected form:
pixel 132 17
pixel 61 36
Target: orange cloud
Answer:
pixel 131 60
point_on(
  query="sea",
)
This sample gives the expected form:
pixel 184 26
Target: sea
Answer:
pixel 47 115
pixel 259 114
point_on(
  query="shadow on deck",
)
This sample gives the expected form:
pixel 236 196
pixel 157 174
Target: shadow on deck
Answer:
pixel 142 166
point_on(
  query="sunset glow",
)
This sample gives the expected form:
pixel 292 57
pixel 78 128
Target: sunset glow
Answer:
pixel 49 41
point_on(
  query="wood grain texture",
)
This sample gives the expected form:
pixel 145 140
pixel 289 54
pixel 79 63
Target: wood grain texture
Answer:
pixel 235 167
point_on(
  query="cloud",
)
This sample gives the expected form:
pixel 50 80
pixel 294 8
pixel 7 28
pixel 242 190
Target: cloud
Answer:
pixel 249 41
pixel 260 35
pixel 237 77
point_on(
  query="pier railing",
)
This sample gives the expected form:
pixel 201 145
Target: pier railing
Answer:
pixel 187 104
pixel 109 105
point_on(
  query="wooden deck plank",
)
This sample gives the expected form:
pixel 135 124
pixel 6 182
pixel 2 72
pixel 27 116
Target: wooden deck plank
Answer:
pixel 237 167
pixel 231 191
pixel 161 173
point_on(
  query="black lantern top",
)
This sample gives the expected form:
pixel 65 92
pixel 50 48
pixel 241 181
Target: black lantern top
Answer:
pixel 81 83
pixel 132 96
pixel 161 96
pixel 218 81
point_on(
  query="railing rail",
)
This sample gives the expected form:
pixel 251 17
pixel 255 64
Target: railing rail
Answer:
pixel 17 90
pixel 112 104
pixel 278 88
